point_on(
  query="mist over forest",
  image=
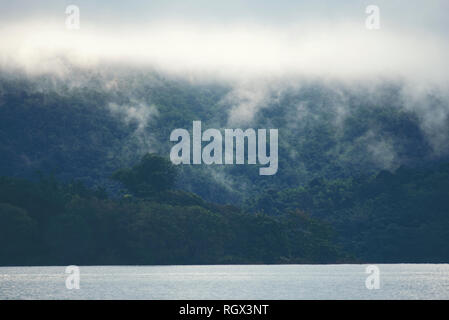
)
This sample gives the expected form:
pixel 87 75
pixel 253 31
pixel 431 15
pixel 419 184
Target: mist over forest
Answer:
pixel 98 120
pixel 363 120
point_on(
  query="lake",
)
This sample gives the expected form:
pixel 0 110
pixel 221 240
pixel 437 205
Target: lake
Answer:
pixel 397 281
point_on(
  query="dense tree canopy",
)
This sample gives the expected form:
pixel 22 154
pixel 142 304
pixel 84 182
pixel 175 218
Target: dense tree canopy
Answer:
pixel 152 175
pixel 46 222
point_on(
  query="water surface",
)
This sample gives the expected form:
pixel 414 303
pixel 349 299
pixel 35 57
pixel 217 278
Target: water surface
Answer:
pixel 398 281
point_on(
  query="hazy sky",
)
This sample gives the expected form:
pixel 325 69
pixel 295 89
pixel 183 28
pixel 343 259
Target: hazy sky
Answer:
pixel 430 14
pixel 253 36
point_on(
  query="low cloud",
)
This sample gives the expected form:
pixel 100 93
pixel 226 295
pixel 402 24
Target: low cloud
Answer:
pixel 259 62
pixel 344 51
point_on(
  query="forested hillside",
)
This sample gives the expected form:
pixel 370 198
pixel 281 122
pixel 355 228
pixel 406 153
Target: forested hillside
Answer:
pixel 362 171
pixel 90 124
pixel 45 222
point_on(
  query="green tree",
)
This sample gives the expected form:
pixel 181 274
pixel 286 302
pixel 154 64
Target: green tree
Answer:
pixel 153 174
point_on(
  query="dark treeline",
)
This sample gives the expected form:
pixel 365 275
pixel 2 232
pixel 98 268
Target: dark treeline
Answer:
pixel 386 217
pixel 44 222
